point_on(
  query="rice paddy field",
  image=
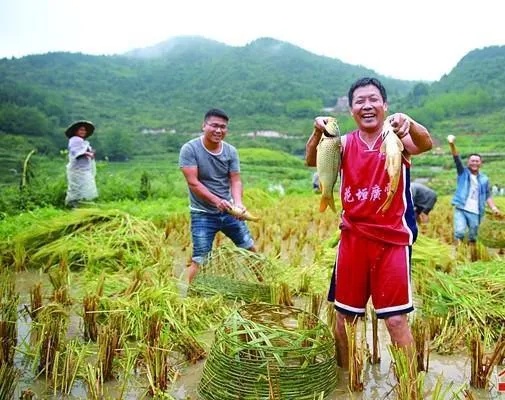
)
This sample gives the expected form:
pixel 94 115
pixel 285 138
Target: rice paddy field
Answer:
pixel 94 305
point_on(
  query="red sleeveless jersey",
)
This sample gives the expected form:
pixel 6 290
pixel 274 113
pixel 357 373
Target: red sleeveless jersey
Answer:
pixel 363 189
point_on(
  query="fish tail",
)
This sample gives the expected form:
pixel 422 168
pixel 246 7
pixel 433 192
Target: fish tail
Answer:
pixel 385 206
pixel 252 217
pixel 327 201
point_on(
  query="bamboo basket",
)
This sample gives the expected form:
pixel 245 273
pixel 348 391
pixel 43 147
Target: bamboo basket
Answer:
pixel 265 351
pixel 233 272
pixel 492 231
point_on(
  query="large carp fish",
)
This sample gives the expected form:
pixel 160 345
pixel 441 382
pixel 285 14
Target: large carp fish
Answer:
pixel 241 213
pixel 392 147
pixel 328 163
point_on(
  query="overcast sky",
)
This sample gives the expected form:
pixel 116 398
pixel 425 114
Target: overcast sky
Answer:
pixel 402 39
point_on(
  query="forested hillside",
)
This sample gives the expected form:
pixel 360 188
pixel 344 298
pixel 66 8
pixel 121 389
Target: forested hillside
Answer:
pixel 149 100
pixel 267 84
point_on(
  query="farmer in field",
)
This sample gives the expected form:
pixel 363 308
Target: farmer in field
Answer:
pixel 374 252
pixel 424 199
pixel 212 170
pixel 473 192
pixel 81 168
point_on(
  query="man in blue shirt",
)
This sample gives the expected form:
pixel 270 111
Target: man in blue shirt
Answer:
pixel 473 192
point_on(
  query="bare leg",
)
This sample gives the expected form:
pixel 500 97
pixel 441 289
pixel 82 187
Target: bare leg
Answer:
pixel 341 339
pixel 401 336
pixel 399 330
pixel 192 271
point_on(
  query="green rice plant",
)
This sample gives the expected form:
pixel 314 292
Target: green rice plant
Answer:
pixel 162 305
pixel 35 300
pixel 432 253
pixel 66 367
pixel 9 301
pixel 445 392
pixel 375 358
pixel 421 334
pixel 46 231
pixel 93 239
pixel 159 369
pixel 356 357
pixel 304 285
pixel 9 376
pixel 51 331
pixel 483 365
pixel 90 303
pixel 283 295
pixel 60 281
pixel 127 364
pixel 26 176
pixel 93 378
pixel 145 190
pixel 471 296
pixel 451 334
pixel 90 314
pixel 109 339
pixel 185 342
pixel 314 304
pixel 410 382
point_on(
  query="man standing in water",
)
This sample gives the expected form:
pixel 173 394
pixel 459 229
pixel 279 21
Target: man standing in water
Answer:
pixel 212 170
pixel 374 252
pixel 473 192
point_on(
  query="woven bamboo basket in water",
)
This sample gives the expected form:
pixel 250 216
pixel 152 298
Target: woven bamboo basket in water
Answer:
pixel 265 351
pixel 492 231
pixel 233 272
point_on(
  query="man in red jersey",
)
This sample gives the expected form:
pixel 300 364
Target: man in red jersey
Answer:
pixel 374 252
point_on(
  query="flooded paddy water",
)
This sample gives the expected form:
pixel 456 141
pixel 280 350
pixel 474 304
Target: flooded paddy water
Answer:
pixel 379 379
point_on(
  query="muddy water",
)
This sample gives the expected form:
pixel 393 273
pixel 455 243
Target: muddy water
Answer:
pixel 379 380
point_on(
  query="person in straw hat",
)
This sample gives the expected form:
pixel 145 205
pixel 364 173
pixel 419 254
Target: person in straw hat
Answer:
pixel 81 164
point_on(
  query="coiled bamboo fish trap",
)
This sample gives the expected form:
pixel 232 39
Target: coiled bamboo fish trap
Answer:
pixel 265 351
pixel 235 273
pixel 492 231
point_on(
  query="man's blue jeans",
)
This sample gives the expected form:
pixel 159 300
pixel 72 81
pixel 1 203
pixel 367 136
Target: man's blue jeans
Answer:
pixel 464 220
pixel 204 227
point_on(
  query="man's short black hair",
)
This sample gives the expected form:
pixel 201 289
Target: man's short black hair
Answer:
pixel 216 112
pixel 365 82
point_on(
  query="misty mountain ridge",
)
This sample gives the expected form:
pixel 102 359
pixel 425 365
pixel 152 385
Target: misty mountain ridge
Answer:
pixel 265 85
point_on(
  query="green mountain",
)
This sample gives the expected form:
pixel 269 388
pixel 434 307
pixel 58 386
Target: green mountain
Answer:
pixel 172 84
pixel 266 85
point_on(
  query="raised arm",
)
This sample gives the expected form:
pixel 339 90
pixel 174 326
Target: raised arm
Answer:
pixel 452 146
pixel 415 137
pixel 313 141
pixel 455 154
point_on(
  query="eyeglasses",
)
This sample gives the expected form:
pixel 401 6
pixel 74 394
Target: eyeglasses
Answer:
pixel 223 127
